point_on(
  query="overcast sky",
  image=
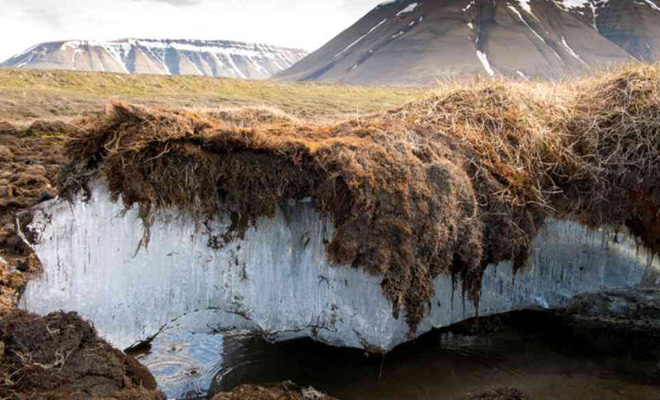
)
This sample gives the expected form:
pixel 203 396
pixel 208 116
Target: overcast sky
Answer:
pixel 303 24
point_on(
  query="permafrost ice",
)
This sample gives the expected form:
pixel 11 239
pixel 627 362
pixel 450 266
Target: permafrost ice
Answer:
pixel 277 280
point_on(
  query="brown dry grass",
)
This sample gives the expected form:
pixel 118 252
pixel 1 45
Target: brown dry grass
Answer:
pixel 446 185
pixel 28 95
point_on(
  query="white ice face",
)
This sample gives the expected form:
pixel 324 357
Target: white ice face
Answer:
pixel 277 280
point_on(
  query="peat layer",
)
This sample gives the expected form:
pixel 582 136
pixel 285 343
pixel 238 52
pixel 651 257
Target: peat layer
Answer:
pixel 61 357
pixel 446 185
pixel 30 162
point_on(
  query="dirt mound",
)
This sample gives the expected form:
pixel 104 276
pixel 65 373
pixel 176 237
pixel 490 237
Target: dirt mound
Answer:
pixel 284 391
pixel 499 394
pixel 30 159
pixel 61 357
pixel 446 185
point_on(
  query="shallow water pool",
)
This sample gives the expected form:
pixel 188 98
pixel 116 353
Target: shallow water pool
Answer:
pixel 526 351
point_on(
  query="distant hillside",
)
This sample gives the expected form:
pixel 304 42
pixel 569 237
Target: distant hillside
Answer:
pixel 417 42
pixel 160 57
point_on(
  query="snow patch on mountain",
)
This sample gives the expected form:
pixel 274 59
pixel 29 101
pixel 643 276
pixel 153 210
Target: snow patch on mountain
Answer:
pixel 652 4
pixel 571 4
pixel 526 5
pixel 513 9
pixel 484 61
pixel 410 8
pixel 350 46
pixel 571 51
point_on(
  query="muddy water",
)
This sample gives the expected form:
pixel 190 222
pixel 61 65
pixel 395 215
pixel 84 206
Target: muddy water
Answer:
pixel 527 352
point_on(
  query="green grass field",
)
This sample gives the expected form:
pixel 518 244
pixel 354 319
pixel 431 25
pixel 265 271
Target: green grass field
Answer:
pixel 28 95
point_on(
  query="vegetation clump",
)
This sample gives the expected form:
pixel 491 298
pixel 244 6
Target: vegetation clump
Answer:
pixel 446 185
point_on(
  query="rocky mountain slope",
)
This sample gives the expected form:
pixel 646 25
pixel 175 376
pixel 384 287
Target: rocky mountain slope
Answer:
pixel 414 42
pixel 633 25
pixel 161 57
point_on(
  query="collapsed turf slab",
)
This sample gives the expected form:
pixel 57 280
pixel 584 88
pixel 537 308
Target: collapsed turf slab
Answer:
pixel 417 202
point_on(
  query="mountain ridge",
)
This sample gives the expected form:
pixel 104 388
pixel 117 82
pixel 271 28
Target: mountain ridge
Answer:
pixel 217 58
pixel 418 42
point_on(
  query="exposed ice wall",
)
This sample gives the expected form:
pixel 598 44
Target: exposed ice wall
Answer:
pixel 278 280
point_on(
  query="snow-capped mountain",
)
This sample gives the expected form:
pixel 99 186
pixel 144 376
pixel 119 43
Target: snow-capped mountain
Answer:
pixel 163 57
pixel 419 41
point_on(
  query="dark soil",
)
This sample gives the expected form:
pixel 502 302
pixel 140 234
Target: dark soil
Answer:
pixel 30 162
pixel 499 394
pixel 284 391
pixel 60 356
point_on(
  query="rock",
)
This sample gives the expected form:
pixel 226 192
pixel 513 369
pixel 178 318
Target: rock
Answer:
pixel 616 321
pixel 639 304
pixel 630 310
pixel 277 280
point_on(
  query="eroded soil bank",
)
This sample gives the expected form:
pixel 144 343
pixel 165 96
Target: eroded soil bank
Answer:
pixel 30 162
pixel 59 356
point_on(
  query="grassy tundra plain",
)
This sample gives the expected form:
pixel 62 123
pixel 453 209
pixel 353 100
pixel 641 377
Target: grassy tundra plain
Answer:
pixel 28 95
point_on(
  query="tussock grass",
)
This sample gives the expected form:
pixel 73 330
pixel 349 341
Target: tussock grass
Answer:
pixel 444 185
